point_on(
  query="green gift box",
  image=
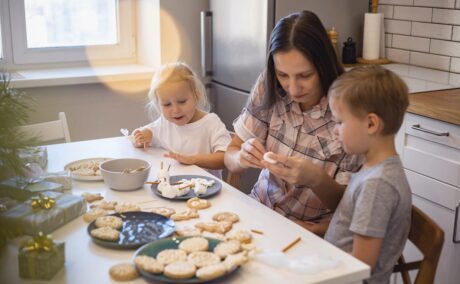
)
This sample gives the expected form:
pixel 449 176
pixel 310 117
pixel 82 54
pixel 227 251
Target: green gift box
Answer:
pixel 25 219
pixel 21 188
pixel 39 263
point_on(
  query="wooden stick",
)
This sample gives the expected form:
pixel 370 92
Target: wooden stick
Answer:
pixel 184 187
pixel 147 201
pixel 161 165
pixel 257 232
pixel 291 244
pixel 158 182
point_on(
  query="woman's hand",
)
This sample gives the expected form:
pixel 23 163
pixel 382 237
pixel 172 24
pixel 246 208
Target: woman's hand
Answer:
pixel 251 153
pixel 183 159
pixel 294 170
pixel 142 137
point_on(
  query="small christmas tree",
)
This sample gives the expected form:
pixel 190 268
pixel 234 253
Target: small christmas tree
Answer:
pixel 14 111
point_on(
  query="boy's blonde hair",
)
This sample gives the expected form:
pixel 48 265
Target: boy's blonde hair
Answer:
pixel 173 73
pixel 373 89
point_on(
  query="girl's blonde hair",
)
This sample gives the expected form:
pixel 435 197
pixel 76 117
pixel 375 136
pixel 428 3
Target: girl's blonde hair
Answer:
pixel 174 73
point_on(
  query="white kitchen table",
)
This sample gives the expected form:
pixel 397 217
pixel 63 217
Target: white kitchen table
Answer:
pixel 87 262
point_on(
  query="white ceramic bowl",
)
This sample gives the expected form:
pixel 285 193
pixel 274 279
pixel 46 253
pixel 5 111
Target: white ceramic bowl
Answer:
pixel 125 174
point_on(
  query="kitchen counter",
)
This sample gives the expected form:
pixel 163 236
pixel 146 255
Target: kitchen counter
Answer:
pixel 442 105
pixel 433 93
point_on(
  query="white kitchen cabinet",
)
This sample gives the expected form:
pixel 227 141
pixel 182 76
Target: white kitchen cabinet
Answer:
pixel 430 151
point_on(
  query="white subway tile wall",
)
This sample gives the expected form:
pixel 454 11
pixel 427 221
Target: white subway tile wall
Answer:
pixel 456 35
pixel 435 3
pixel 455 65
pixel 423 33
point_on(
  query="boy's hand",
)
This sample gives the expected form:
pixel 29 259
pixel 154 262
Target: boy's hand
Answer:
pixel 142 137
pixel 183 159
pixel 294 170
pixel 251 153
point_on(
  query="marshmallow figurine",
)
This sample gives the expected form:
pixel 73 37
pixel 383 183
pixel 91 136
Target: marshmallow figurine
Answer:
pixel 200 188
pixel 163 175
pixel 167 190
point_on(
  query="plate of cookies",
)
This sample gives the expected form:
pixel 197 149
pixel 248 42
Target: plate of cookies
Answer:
pixel 184 187
pixel 130 230
pixel 188 259
pixel 86 169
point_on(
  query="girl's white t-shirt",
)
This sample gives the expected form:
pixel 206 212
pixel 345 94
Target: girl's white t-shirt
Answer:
pixel 205 136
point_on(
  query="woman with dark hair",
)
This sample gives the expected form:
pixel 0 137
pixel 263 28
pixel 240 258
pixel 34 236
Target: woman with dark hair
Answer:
pixel 288 114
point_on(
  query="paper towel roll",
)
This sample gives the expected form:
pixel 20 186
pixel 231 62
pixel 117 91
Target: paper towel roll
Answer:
pixel 372 30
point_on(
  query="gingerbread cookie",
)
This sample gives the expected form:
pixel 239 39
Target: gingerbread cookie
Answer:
pixel 149 264
pixel 92 214
pixel 123 272
pixel 211 271
pixel 127 207
pixel 226 216
pixel 188 232
pixel 168 256
pixel 234 260
pixel 242 236
pixel 198 203
pixel 106 233
pixel 106 205
pixel 185 215
pixel 203 258
pixel 215 227
pixel 229 247
pixel 91 197
pixel 165 211
pixel 113 222
pixel 180 270
pixel 194 244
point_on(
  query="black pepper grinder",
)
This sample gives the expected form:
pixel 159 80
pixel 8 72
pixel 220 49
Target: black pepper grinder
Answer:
pixel 349 52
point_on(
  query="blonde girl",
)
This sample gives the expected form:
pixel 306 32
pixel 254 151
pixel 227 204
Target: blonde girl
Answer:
pixel 192 135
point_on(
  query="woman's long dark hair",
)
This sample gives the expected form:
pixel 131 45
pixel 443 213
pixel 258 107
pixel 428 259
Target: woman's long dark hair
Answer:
pixel 305 32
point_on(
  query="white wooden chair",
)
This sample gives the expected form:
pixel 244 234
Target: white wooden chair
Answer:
pixel 49 131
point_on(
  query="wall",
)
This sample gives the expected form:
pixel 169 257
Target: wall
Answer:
pixel 96 110
pixel 423 32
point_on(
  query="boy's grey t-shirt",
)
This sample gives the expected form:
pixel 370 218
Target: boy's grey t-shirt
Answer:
pixel 377 203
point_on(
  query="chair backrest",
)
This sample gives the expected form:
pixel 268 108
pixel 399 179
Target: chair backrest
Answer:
pixel 49 131
pixel 428 237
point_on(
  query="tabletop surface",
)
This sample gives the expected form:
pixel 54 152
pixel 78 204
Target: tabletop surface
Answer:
pixel 86 262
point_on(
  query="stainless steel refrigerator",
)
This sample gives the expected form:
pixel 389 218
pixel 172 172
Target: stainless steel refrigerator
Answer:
pixel 235 35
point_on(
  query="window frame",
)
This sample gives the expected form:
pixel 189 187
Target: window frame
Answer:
pixel 125 50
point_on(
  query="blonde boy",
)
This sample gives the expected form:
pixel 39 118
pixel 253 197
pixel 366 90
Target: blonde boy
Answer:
pixel 372 216
pixel 372 220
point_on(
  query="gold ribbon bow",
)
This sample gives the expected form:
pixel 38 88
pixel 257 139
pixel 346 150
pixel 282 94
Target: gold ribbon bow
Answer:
pixel 40 242
pixel 43 202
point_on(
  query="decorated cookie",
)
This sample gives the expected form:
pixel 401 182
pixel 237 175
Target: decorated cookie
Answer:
pixel 198 203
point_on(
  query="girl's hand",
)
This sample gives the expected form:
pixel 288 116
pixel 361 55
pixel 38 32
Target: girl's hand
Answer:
pixel 183 159
pixel 251 153
pixel 142 137
pixel 294 170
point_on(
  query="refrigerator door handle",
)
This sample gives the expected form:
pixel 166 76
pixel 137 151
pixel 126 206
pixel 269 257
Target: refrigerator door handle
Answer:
pixel 206 43
pixel 456 226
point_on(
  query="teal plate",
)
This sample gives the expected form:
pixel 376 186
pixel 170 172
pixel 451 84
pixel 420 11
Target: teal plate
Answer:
pixel 214 189
pixel 153 248
pixel 138 229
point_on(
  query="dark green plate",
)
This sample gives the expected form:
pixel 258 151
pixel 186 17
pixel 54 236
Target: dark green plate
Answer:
pixel 153 248
pixel 214 189
pixel 138 229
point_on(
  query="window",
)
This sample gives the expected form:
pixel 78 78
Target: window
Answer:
pixel 51 31
pixel 1 41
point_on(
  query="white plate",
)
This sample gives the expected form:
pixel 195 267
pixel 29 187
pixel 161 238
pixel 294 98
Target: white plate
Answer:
pixel 78 162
